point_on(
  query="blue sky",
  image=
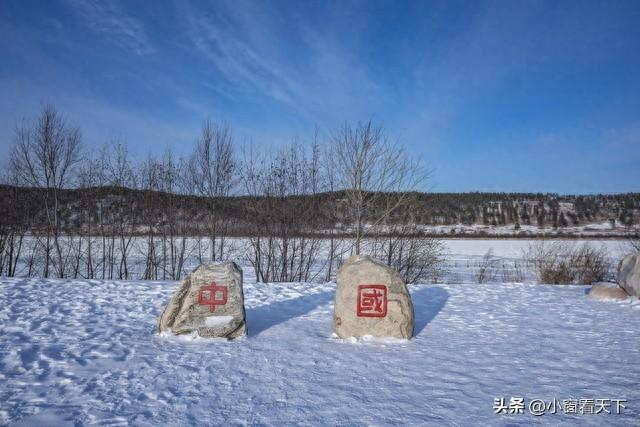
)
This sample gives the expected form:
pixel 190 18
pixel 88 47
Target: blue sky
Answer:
pixel 495 96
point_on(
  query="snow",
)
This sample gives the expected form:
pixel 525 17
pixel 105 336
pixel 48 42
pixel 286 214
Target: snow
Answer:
pixel 83 352
pixel 87 352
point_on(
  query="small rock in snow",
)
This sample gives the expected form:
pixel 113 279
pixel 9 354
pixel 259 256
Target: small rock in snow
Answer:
pixel 607 291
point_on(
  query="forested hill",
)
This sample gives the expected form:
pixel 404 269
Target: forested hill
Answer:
pixel 526 208
pixel 80 209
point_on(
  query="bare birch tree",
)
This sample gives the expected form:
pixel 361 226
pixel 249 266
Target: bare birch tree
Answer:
pixel 376 175
pixel 212 167
pixel 44 155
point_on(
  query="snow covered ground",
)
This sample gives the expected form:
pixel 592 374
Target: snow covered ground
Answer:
pixel 87 353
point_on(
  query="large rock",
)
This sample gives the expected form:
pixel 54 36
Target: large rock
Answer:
pixel 629 274
pixel 371 299
pixel 607 291
pixel 209 301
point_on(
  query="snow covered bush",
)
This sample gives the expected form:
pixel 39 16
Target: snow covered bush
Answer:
pixel 564 263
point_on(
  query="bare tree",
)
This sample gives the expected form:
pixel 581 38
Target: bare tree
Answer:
pixel 150 182
pixel 376 175
pixel 337 245
pixel 212 167
pixel 90 179
pixel 415 257
pixel 283 246
pixel 173 224
pixel 120 174
pixel 44 155
pixel 15 220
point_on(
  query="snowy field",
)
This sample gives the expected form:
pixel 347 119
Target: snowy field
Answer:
pixel 87 353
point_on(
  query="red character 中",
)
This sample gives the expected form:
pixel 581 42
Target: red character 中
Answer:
pixel 208 295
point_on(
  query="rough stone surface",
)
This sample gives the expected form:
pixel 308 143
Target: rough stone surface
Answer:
pixel 360 308
pixel 190 308
pixel 607 291
pixel 629 274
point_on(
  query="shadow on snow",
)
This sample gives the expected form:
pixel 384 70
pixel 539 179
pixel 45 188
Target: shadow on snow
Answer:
pixel 427 303
pixel 266 316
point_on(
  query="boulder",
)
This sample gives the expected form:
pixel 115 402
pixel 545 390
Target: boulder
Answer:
pixel 607 291
pixel 209 301
pixel 629 274
pixel 371 299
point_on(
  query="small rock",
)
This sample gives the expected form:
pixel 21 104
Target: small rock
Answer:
pixel 607 291
pixel 629 274
pixel 210 301
pixel 371 300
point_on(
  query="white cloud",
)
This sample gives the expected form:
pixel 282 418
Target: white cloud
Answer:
pixel 107 18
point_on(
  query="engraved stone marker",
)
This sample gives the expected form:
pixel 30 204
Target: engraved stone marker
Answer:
pixel 371 299
pixel 209 301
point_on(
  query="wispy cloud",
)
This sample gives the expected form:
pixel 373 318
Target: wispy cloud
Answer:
pixel 109 19
pixel 220 38
pixel 304 68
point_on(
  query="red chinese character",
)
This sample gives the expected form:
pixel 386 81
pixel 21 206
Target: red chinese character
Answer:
pixel 372 301
pixel 208 295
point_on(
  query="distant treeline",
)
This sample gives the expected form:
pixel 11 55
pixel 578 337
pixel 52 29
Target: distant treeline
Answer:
pixel 81 210
pixel 541 209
